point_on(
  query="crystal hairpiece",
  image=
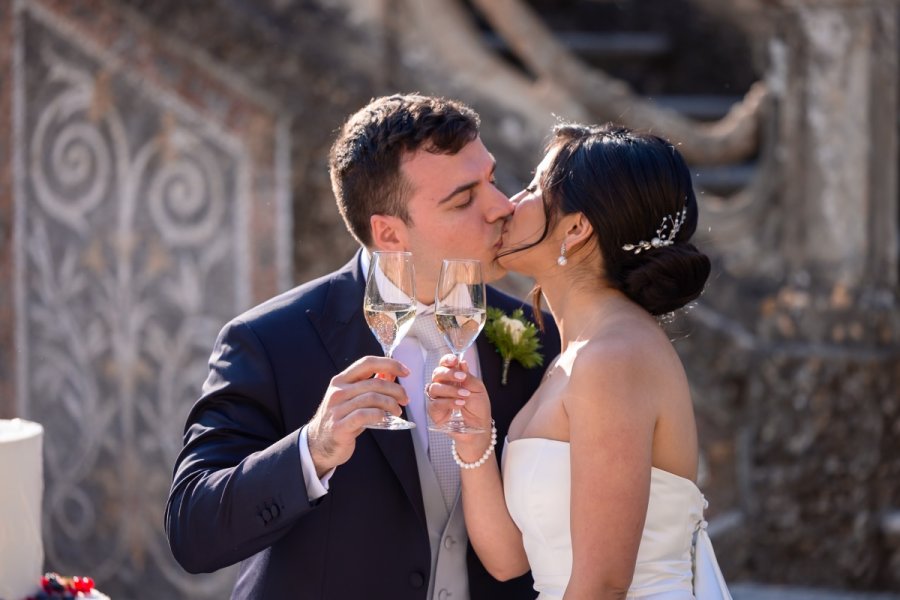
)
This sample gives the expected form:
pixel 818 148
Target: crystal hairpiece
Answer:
pixel 668 222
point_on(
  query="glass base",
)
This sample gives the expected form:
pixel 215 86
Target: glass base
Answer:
pixel 392 423
pixel 456 427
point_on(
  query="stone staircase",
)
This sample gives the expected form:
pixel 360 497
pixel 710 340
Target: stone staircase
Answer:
pixel 662 48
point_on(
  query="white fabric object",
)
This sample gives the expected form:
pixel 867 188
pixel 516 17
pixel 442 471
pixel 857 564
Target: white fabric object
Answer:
pixel 21 495
pixel 709 584
pixel 537 483
pixel 425 330
pixel 315 487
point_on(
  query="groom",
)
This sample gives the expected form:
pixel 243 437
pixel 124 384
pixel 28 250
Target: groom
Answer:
pixel 277 471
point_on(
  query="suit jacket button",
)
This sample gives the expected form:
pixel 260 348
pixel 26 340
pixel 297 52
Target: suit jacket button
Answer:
pixel 416 579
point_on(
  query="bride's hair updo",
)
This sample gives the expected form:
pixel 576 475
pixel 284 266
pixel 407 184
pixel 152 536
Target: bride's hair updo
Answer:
pixel 627 184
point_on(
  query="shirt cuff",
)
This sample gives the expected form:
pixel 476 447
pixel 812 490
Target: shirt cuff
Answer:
pixel 315 487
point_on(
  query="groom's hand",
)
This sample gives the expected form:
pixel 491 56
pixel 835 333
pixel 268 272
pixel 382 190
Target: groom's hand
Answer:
pixel 353 400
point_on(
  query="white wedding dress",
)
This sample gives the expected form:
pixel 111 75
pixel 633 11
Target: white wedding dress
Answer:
pixel 675 560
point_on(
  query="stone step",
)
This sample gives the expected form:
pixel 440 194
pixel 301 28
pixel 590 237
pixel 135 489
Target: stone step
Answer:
pixel 602 46
pixel 755 591
pixel 705 107
pixel 724 179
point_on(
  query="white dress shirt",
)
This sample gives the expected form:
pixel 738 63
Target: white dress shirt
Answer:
pixel 410 353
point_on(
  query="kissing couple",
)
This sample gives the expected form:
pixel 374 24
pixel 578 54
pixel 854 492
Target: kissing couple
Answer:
pixel 583 483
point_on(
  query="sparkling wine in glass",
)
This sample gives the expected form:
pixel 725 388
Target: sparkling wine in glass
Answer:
pixel 390 308
pixel 459 309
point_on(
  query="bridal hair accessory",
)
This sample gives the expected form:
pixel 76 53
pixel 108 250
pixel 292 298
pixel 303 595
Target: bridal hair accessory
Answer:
pixel 484 457
pixel 668 222
pixel 514 337
pixel 562 260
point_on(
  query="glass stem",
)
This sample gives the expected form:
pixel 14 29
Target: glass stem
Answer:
pixel 456 415
pixel 388 352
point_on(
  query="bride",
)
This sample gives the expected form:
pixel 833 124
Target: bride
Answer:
pixel 597 494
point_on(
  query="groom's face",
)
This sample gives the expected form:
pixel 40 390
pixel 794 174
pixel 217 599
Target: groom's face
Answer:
pixel 455 211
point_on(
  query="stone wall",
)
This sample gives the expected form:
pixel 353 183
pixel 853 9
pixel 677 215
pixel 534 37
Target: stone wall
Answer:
pixel 150 203
pixel 794 351
pixel 126 140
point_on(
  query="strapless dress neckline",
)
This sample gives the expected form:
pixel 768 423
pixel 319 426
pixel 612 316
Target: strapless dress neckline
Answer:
pixel 659 472
pixel 537 484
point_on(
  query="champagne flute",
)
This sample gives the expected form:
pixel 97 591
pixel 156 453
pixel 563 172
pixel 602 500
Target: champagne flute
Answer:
pixel 390 309
pixel 459 309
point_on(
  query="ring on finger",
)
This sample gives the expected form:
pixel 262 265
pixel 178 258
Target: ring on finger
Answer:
pixel 427 386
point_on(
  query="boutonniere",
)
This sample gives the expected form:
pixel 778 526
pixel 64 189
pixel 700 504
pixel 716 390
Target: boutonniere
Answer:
pixel 515 338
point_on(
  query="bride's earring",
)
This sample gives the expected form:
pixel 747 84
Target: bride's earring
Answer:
pixel 562 260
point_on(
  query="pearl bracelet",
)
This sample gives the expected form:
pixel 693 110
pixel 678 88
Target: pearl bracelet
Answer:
pixel 484 457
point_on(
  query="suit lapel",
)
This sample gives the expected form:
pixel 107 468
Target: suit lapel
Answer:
pixel 345 335
pixel 506 400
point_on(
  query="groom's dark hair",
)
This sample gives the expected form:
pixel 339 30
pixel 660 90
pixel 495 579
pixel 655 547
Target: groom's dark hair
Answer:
pixel 365 159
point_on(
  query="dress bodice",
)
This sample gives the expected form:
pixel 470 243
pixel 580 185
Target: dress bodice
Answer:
pixel 537 480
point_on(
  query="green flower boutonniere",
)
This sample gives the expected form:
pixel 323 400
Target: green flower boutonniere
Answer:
pixel 515 338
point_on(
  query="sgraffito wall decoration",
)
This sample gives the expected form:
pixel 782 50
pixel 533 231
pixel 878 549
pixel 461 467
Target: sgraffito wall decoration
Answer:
pixel 135 239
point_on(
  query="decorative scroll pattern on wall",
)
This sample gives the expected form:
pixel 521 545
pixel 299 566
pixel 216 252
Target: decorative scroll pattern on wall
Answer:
pixel 129 241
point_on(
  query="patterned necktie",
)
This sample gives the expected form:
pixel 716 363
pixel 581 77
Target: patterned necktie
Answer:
pixel 425 330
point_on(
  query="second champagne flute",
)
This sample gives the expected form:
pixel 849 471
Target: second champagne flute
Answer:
pixel 459 309
pixel 390 308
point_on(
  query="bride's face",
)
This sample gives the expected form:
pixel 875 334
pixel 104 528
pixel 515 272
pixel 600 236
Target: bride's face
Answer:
pixel 525 226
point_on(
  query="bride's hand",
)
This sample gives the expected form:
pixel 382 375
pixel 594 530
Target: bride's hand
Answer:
pixel 452 386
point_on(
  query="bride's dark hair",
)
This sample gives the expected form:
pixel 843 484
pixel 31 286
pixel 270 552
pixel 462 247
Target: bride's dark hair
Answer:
pixel 626 183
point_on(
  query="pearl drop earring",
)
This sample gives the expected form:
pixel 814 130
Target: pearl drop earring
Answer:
pixel 562 260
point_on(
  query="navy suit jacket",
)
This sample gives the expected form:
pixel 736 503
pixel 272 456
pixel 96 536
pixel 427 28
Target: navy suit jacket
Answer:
pixel 238 493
